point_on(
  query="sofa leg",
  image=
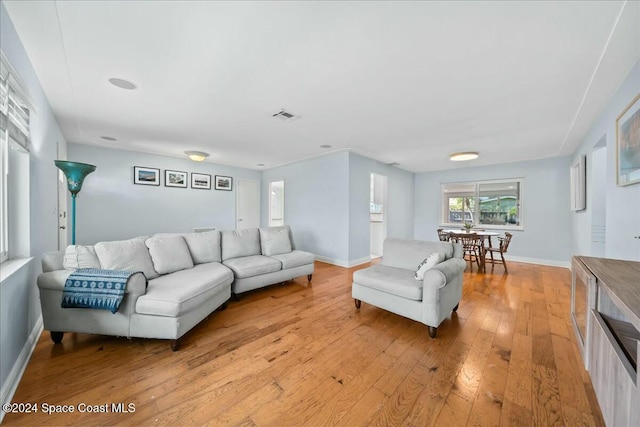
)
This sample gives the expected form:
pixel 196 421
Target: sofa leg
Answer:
pixel 432 331
pixel 56 337
pixel 175 345
pixel 358 302
pixel 235 297
pixel 309 277
pixel 456 307
pixel 223 307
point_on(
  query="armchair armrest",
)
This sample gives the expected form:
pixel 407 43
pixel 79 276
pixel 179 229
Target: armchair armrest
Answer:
pixel 443 273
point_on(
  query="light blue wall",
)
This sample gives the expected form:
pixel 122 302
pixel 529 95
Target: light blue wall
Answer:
pixel 398 206
pixel 19 292
pixel 622 203
pixel 547 228
pixel 111 207
pixel 316 204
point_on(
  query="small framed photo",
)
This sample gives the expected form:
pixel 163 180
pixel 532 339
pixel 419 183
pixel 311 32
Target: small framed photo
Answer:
pixel 224 182
pixel 201 181
pixel 175 179
pixel 146 176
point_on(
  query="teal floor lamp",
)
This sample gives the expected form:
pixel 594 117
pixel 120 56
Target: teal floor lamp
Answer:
pixel 75 173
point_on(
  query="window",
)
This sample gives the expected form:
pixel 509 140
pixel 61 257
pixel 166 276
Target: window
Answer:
pixel 14 147
pixel 494 204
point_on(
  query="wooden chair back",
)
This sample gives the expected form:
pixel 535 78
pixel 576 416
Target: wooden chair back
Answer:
pixel 442 235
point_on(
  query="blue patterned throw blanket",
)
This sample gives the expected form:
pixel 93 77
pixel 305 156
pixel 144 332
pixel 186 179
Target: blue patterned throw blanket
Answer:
pixel 95 288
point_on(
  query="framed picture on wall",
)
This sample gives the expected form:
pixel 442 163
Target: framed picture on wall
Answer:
pixel 175 179
pixel 628 144
pixel 224 182
pixel 201 181
pixel 146 176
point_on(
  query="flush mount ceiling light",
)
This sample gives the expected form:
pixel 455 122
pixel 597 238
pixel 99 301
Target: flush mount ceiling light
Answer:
pixel 108 138
pixel 325 146
pixel 196 156
pixel 123 84
pixel 463 156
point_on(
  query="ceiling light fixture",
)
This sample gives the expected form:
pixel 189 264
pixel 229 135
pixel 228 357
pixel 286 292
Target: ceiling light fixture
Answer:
pixel 196 156
pixel 123 84
pixel 463 156
pixel 325 146
pixel 108 138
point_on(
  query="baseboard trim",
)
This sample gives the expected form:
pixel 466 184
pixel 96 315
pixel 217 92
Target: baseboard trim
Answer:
pixel 343 263
pixel 526 260
pixel 11 385
pixel 547 262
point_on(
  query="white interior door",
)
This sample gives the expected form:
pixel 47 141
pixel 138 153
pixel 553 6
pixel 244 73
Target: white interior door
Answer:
pixel 247 204
pixel 62 200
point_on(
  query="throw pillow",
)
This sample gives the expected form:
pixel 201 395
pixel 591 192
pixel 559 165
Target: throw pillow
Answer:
pixel 428 263
pixel 129 255
pixel 169 254
pixel 78 256
pixel 275 241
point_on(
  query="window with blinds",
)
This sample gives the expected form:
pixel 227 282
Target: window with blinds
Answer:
pixel 494 204
pixel 14 138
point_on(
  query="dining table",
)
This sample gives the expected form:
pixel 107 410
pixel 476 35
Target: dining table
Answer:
pixel 482 234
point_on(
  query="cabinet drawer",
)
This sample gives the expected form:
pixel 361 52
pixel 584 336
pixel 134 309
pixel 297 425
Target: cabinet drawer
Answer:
pixel 613 376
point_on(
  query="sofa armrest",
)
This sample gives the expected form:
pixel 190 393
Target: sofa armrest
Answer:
pixel 443 273
pixel 54 281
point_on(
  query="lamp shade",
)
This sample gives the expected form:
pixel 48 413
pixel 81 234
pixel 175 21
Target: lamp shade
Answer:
pixel 75 173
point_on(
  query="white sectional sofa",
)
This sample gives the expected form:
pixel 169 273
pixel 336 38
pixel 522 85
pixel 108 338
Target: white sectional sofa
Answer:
pixel 180 279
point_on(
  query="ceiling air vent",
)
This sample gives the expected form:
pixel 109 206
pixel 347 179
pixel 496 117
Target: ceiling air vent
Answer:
pixel 286 116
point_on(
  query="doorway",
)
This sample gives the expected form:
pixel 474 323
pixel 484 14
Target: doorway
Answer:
pixel 377 213
pixel 276 203
pixel 247 204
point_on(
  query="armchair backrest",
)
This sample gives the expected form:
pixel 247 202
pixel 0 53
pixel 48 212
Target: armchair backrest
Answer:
pixel 408 254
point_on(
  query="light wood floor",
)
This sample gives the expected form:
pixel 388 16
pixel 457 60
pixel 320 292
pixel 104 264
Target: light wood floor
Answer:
pixel 298 355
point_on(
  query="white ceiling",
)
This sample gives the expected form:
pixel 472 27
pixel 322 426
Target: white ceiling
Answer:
pixel 405 82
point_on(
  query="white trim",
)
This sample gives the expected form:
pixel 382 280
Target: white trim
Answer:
pixel 13 379
pixel 343 263
pixel 547 262
pixel 9 267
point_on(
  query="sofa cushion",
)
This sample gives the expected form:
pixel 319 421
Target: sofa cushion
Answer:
pixel 204 247
pixel 432 260
pixel 295 259
pixel 130 255
pixel 240 243
pixel 179 293
pixel 254 265
pixel 396 281
pixel 275 240
pixel 169 253
pixel 78 256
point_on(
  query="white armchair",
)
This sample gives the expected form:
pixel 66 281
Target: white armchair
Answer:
pixel 392 286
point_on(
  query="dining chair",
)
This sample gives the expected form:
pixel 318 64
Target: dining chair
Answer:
pixel 442 235
pixel 501 249
pixel 470 246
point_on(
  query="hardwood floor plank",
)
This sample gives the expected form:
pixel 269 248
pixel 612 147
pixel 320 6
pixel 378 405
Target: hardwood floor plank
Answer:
pixel 296 354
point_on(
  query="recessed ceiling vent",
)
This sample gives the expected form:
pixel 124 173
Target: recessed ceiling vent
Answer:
pixel 286 116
